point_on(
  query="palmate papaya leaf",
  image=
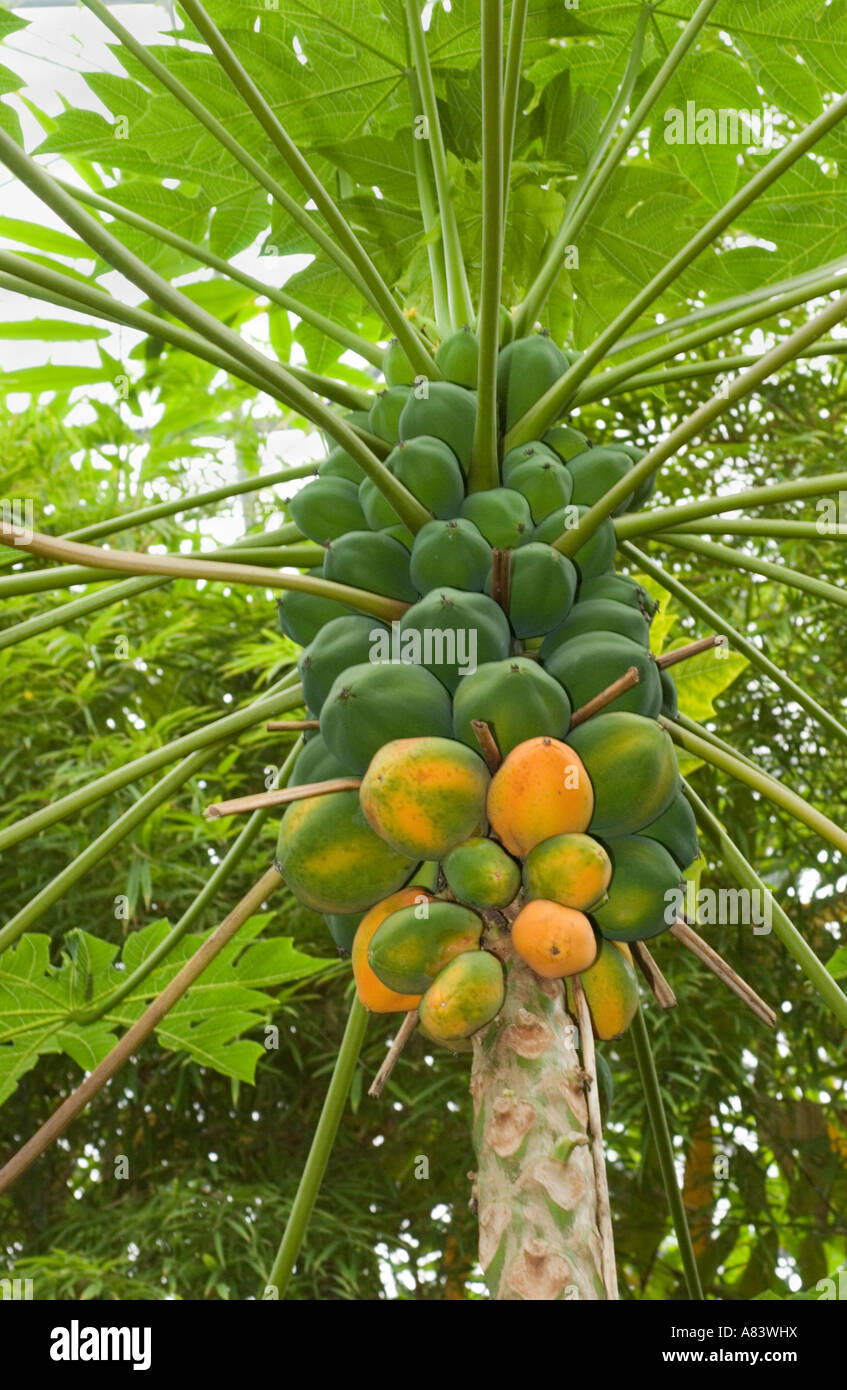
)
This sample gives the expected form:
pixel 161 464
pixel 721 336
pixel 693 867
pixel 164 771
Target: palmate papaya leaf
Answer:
pixel 229 1000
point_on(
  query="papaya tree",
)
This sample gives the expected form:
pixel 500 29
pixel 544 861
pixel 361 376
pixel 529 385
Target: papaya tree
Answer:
pixel 518 224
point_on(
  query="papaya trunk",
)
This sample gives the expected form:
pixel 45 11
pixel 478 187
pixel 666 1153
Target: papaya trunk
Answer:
pixel 535 1188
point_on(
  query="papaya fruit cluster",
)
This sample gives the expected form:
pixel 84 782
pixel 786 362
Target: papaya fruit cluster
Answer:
pixel 581 832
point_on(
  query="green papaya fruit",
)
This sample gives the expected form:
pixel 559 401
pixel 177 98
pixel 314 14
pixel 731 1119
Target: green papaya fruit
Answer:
pixel 633 770
pixel 481 873
pixel 670 696
pixel 414 944
pixel 623 590
pixel 301 616
pixel 396 367
pixel 598 615
pixel 450 633
pixel 566 441
pixel 343 642
pixel 377 510
pixel 501 515
pixel 633 450
pixel 597 555
pixel 386 410
pixel 447 411
pixel 371 560
pixel 516 698
pixel 676 829
pixel 590 662
pixel 315 763
pixel 597 470
pixel 430 470
pixel 526 369
pixel 339 464
pixel 645 891
pixel 458 358
pixel 544 484
pixel 332 860
pixel 376 702
pixel 542 584
pixel 326 508
pixel 401 534
pixel 342 928
pixel 533 452
pixel 452 553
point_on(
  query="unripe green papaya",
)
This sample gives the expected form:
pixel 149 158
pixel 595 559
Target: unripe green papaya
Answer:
pixel 301 616
pixel 332 860
pixel 386 411
pixel 413 945
pixel 623 590
pixel 566 441
pixel 597 555
pixel 339 464
pixel 645 891
pixel 590 662
pixel 342 928
pixel 670 697
pixel 452 553
pixel 542 584
pixel 598 615
pixel 597 470
pixel 507 326
pixel 371 560
pixel 326 508
pixel 464 996
pixel 450 632
pixel 343 642
pixel 544 484
pixel 396 367
pixel 448 411
pixel 315 763
pixel 676 829
pixel 458 358
pixel 533 452
pixel 377 510
pixel 430 470
pixel 526 369
pixel 374 703
pixel 516 698
pixel 481 874
pixel 401 534
pixel 502 516
pixel 632 767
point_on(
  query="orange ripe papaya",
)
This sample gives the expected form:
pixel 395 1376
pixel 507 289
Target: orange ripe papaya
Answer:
pixel 554 941
pixel 424 796
pixel 540 789
pixel 371 991
pixel 573 870
pixel 611 991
